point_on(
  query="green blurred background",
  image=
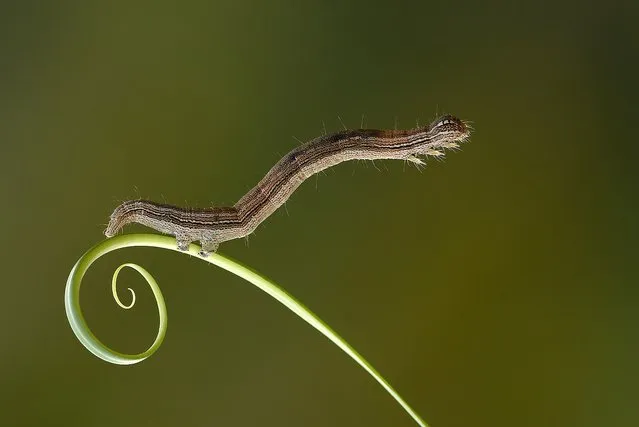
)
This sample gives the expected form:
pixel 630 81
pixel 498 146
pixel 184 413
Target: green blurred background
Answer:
pixel 497 288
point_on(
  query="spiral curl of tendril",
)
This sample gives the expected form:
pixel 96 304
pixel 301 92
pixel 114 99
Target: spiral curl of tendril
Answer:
pixel 95 346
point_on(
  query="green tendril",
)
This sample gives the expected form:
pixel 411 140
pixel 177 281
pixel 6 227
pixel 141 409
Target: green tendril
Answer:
pixel 95 346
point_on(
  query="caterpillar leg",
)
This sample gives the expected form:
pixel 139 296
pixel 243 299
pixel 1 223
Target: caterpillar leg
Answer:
pixel 182 242
pixel 208 247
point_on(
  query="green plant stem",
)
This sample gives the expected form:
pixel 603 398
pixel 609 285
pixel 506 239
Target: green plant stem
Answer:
pixel 95 346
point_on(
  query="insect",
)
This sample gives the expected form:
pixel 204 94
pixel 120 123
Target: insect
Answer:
pixel 212 226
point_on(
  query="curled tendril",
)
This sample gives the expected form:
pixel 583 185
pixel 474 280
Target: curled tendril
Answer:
pixel 95 346
pixel 114 284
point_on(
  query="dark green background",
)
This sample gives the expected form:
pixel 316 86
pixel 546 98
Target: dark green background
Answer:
pixel 497 288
